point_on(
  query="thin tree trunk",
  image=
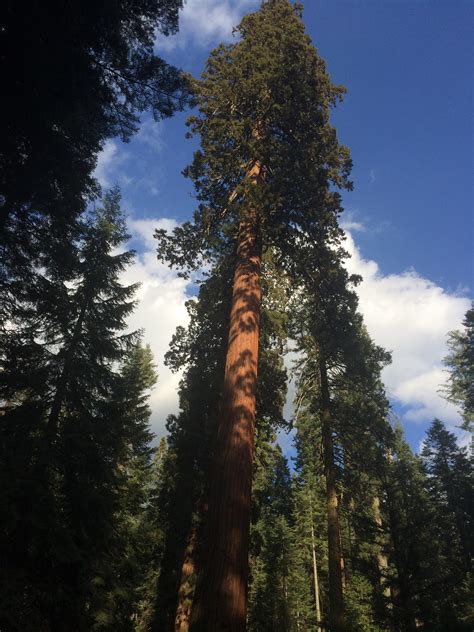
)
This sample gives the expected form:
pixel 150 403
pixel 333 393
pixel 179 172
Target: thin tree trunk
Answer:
pixel 335 559
pixel 221 599
pixel 382 559
pixel 315 578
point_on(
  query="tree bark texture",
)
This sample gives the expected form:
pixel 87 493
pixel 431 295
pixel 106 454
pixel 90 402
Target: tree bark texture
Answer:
pixel 335 559
pixel 221 599
pixel 187 583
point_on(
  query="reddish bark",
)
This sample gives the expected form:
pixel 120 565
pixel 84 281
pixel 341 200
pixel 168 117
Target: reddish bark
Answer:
pixel 186 587
pixel 221 600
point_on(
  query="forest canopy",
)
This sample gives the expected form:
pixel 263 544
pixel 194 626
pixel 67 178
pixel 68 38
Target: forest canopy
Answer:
pixel 212 527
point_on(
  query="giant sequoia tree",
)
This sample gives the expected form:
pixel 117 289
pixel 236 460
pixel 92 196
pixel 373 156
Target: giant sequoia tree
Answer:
pixel 268 156
pixel 200 350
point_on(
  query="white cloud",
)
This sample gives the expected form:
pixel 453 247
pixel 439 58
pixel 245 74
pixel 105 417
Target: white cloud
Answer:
pixel 404 313
pixel 108 161
pixel 354 226
pixel 206 22
pixel 134 165
pixel 372 176
pixel 160 310
pixel 150 134
pixel 410 316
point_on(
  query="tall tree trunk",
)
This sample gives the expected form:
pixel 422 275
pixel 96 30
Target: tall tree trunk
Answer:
pixel 335 559
pixel 221 599
pixel 187 583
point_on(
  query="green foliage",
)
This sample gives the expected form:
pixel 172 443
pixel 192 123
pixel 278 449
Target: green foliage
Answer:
pixel 271 540
pixel 265 99
pixel 450 487
pixel 409 519
pixel 360 604
pixel 85 74
pixel 450 483
pixel 90 71
pixel 118 584
pixel 460 364
pixel 73 423
pixel 326 324
pixel 427 583
pixel 309 530
pixel 200 351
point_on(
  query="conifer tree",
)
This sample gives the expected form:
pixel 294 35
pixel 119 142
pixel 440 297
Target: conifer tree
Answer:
pixel 118 586
pixel 270 599
pixel 340 389
pixel 417 586
pixel 63 434
pixel 151 528
pixel 309 570
pixel 85 74
pixel 460 364
pixel 200 350
pixel 268 157
pixel 450 482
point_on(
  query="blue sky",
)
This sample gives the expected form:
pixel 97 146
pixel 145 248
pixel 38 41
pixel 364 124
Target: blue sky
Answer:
pixel 408 120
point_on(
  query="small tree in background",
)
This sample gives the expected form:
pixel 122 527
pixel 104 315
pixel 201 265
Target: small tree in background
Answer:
pixel 460 364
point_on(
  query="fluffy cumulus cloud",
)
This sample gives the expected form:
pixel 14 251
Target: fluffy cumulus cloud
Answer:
pixel 410 316
pixel 404 313
pixel 161 308
pixel 206 22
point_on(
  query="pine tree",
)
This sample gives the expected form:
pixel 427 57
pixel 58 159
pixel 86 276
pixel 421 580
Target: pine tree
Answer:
pixel 309 571
pixel 62 436
pixel 151 529
pixel 450 481
pixel 117 586
pixel 419 578
pixel 90 72
pixel 199 350
pixel 340 389
pixel 270 606
pixel 460 363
